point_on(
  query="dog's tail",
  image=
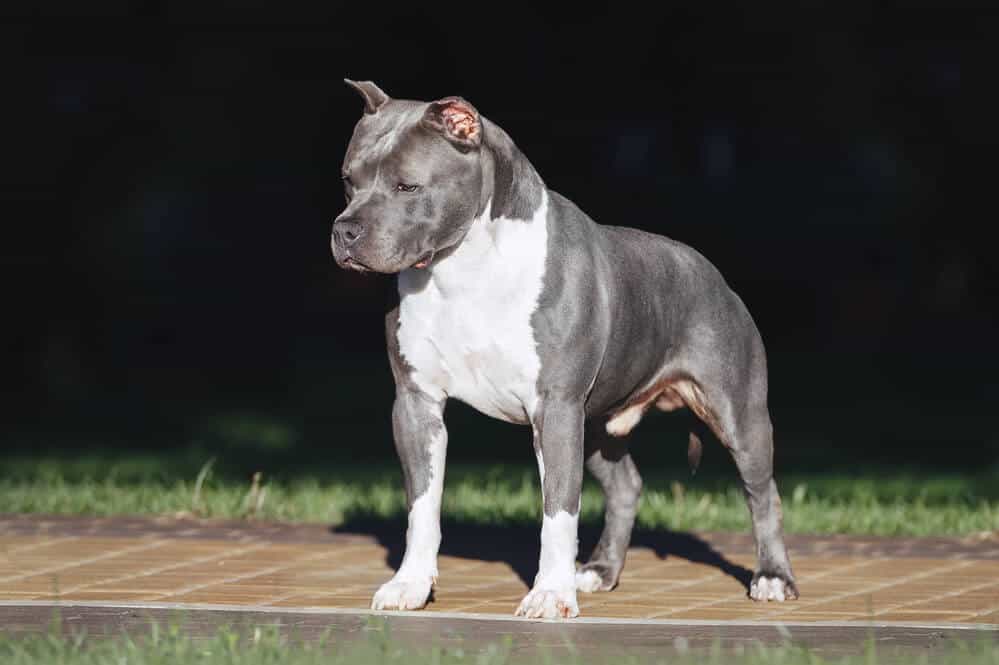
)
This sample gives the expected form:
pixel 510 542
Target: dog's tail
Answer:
pixel 694 450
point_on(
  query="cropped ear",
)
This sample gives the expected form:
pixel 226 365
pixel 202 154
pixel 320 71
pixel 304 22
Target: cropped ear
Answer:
pixel 457 120
pixel 374 97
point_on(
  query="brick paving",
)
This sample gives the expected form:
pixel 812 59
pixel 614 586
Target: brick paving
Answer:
pixel 673 577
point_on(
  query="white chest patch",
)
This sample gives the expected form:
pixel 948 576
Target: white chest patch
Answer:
pixel 465 324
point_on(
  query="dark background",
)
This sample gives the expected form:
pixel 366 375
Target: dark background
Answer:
pixel 171 171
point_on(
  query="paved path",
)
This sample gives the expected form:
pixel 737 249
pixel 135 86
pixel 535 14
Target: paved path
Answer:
pixel 691 586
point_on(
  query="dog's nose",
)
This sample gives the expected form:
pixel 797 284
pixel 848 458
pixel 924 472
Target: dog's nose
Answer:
pixel 346 232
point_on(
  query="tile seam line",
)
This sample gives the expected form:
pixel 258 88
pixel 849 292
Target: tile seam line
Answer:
pixel 162 569
pixel 479 588
pixel 670 586
pixel 988 610
pixel 949 594
pixel 315 556
pixel 20 549
pixel 711 603
pixel 340 573
pixel 263 609
pixel 955 565
pixel 675 585
pixel 600 599
pixel 146 545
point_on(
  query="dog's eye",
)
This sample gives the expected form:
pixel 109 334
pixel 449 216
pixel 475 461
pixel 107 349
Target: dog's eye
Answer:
pixel 403 187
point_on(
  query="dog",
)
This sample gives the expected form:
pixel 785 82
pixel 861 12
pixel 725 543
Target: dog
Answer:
pixel 515 302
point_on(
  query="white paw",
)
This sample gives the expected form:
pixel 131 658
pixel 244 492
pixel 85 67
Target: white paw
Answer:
pixel 768 588
pixel 543 603
pixel 588 581
pixel 402 594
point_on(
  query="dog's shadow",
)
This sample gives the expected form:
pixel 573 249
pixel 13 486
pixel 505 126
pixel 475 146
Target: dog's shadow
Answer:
pixel 518 546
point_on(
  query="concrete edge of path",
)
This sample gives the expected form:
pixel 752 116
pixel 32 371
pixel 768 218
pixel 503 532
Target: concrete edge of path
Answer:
pixel 586 639
pixel 472 616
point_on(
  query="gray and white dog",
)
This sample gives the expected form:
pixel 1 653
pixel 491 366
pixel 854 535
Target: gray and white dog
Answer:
pixel 515 302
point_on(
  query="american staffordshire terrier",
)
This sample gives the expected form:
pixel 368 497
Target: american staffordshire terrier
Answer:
pixel 515 302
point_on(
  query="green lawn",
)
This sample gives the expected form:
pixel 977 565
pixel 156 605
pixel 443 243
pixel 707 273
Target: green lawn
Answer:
pixel 268 645
pixel 866 501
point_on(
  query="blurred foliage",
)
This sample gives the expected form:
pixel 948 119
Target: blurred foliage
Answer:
pixel 375 644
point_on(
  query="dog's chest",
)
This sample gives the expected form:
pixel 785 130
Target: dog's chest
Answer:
pixel 465 327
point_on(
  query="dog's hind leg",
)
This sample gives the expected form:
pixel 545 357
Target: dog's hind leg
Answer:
pixel 611 464
pixel 751 446
pixel 734 405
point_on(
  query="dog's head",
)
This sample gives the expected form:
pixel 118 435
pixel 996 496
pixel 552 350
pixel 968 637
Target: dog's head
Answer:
pixel 412 179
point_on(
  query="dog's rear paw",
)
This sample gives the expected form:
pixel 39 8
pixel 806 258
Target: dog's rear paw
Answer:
pixel 772 587
pixel 595 577
pixel 549 604
pixel 402 594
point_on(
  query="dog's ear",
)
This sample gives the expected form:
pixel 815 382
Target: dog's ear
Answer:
pixel 457 120
pixel 374 97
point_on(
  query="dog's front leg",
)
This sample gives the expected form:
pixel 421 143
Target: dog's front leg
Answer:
pixel 558 443
pixel 421 441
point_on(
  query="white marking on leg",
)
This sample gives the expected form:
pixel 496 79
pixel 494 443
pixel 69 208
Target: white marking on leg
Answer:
pixel 554 592
pixel 559 546
pixel 410 588
pixel 588 581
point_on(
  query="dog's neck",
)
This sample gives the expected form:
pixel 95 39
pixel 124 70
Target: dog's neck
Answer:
pixel 513 195
pixel 510 182
pixel 497 259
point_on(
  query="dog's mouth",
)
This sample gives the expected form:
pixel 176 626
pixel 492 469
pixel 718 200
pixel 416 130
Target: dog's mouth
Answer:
pixel 353 264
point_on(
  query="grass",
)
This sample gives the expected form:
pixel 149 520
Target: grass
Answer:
pixel 268 645
pixel 881 502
